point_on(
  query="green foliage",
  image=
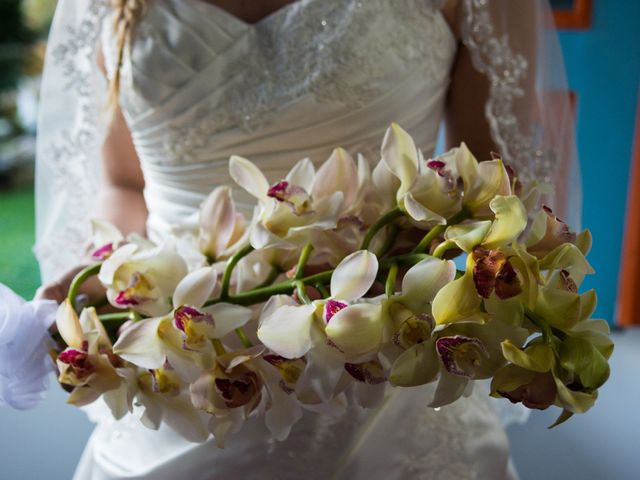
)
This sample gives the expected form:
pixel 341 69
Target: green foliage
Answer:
pixel 15 40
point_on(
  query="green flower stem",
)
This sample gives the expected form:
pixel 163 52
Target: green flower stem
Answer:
pixel 79 279
pixel 428 238
pixel 218 347
pixel 100 302
pixel 323 290
pixel 115 317
pixel 231 264
pixel 383 221
pixel 443 247
pixel 390 284
pixel 273 274
pixel 259 295
pixel 438 229
pixel 406 260
pixel 302 261
pixel 243 337
pixel 541 323
pixel 302 293
pixel 392 234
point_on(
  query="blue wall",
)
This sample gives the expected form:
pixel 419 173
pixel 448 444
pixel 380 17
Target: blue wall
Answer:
pixel 603 65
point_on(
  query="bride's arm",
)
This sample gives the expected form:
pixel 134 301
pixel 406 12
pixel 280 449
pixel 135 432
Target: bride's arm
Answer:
pixel 120 198
pixel 465 117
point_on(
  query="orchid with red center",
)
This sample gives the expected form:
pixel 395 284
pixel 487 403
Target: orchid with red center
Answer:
pixel 330 293
pixel 142 279
pixel 185 335
pixel 88 364
pixel 288 210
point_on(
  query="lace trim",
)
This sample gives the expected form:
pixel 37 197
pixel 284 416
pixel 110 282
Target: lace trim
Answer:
pixel 311 52
pixel 506 70
pixel 68 155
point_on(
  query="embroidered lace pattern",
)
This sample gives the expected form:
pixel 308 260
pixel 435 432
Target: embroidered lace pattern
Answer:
pixel 507 71
pixel 69 154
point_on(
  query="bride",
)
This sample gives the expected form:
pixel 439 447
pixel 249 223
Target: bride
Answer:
pixel 190 82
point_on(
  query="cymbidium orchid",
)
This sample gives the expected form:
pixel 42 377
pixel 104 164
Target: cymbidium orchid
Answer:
pixel 288 209
pixel 88 364
pixel 348 273
pixel 184 336
pixel 434 190
pixel 142 279
pixel 222 229
pixel 106 239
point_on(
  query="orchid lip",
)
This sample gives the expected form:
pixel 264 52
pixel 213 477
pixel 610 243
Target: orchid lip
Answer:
pixel 437 166
pixel 103 252
pixel 278 190
pixel 186 314
pixel 124 298
pixel 78 360
pixel 131 295
pixel 371 373
pixel 448 347
pixel 238 392
pixel 332 307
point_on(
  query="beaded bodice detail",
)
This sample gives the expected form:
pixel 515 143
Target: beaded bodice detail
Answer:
pixel 199 85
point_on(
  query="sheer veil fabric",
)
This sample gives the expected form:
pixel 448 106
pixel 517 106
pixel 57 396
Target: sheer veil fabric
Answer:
pixel 199 85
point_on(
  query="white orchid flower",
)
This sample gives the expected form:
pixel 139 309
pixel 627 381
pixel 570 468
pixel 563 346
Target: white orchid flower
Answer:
pixel 88 363
pixel 184 336
pixel 106 238
pixel 510 220
pixel 230 391
pixel 142 280
pixel 286 209
pixel 223 230
pixel 431 191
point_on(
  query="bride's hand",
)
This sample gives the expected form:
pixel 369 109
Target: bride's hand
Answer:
pixel 59 289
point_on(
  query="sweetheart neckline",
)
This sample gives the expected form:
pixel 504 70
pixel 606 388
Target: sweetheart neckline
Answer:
pixel 247 25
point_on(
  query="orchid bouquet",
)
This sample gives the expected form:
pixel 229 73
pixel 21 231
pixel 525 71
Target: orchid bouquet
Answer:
pixel 341 285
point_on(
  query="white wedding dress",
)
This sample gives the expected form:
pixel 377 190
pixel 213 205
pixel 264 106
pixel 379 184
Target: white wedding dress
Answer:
pixel 199 85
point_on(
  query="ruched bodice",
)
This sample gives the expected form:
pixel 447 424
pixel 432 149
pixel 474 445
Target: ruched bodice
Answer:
pixel 200 85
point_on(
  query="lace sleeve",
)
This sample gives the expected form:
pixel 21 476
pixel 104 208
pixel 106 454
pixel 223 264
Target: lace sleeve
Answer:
pixel 70 133
pixel 515 44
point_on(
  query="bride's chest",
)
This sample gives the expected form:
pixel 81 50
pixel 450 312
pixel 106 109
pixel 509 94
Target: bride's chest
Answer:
pixel 194 64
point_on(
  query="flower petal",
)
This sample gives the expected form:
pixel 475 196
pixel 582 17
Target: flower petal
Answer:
pixel 302 174
pixel 68 325
pixel 217 221
pixel 249 177
pixel 510 222
pixel 422 282
pixel 103 233
pixel 456 301
pixel 468 235
pixel 400 154
pixel 357 329
pixel 354 276
pixel 287 331
pixel 227 317
pixel 418 365
pixel 337 174
pixel 141 345
pixel 536 357
pixel 450 388
pixel 195 288
pixel 420 213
